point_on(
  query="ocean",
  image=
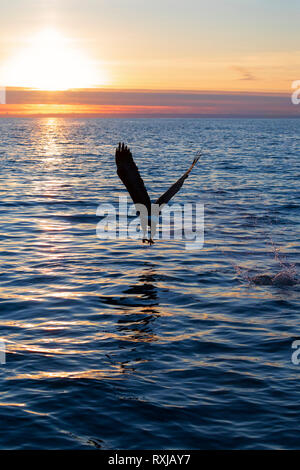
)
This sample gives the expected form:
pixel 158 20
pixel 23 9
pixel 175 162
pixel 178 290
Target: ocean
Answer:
pixel 113 344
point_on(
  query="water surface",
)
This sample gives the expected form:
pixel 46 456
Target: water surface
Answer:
pixel 112 344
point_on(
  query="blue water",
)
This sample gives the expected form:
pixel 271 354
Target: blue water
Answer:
pixel 115 345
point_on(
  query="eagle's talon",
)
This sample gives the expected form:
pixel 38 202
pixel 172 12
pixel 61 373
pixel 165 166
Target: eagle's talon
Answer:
pixel 149 241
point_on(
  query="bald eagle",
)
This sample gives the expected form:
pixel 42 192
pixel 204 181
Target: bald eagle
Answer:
pixel 129 175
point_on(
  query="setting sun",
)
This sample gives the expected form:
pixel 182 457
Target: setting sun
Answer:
pixel 51 62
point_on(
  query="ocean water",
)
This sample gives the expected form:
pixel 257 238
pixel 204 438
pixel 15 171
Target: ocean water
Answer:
pixel 113 344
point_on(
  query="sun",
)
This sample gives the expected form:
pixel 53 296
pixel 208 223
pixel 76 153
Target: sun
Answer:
pixel 52 62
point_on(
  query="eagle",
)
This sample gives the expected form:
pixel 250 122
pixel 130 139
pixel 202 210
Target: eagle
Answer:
pixel 129 175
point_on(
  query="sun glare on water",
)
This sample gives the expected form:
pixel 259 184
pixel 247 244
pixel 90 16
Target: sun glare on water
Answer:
pixel 51 62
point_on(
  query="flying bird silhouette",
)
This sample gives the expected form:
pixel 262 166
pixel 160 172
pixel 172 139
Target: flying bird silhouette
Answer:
pixel 129 175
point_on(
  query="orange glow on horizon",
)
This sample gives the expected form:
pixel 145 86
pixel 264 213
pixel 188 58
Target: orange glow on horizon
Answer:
pixel 96 110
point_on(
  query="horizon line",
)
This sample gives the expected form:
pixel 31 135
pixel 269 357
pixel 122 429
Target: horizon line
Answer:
pixel 148 116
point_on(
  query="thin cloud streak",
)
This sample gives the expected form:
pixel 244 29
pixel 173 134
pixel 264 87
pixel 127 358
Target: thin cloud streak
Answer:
pixel 246 74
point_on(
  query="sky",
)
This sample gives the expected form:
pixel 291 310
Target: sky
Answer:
pixel 163 48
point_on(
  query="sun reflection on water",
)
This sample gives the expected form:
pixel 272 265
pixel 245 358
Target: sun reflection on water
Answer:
pixel 49 143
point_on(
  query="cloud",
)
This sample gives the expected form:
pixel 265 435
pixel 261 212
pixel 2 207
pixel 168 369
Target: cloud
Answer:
pixel 104 102
pixel 246 74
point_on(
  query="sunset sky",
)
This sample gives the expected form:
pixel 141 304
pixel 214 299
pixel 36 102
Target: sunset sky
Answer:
pixel 161 57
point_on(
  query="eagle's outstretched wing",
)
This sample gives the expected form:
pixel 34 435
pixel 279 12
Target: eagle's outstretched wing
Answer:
pixel 129 174
pixel 176 186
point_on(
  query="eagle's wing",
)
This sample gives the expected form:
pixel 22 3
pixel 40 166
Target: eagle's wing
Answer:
pixel 176 186
pixel 129 174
